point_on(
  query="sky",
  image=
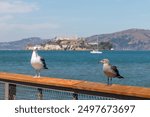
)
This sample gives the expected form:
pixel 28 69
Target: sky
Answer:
pixel 49 18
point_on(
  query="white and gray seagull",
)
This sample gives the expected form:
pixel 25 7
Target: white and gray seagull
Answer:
pixel 37 62
pixel 110 71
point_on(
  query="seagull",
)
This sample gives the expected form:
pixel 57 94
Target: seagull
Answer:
pixel 110 71
pixel 37 62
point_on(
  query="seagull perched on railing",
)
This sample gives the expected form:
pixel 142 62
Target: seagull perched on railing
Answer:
pixel 110 71
pixel 37 62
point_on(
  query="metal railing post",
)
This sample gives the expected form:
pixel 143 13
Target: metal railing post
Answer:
pixel 6 91
pixel 75 96
pixel 40 94
pixel 10 91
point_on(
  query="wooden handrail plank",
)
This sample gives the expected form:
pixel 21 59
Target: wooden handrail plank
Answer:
pixel 116 89
pixel 41 80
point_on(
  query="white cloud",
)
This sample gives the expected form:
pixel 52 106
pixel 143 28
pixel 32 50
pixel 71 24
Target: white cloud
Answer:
pixel 13 28
pixel 16 7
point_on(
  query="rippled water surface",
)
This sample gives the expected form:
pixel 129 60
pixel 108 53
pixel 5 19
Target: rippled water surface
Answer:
pixel 81 65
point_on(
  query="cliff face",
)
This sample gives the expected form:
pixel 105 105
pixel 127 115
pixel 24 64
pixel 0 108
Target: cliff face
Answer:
pixel 132 39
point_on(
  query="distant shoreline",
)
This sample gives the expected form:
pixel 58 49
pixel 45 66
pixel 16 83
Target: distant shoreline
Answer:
pixel 75 50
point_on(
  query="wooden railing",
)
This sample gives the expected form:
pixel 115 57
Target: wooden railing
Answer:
pixel 74 86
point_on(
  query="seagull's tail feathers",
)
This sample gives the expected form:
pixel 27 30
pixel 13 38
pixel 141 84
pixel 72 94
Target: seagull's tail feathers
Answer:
pixel 45 67
pixel 120 77
pixel 44 64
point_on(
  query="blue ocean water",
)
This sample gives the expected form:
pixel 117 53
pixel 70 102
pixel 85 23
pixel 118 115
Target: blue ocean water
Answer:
pixel 81 65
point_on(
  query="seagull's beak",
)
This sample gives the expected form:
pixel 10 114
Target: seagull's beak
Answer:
pixel 101 61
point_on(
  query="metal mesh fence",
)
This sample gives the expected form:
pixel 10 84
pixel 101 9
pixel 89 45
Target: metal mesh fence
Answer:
pixel 2 91
pixel 49 94
pixel 93 97
pixel 24 92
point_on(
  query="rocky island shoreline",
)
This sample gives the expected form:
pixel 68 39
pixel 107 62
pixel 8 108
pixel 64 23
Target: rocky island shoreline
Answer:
pixel 60 43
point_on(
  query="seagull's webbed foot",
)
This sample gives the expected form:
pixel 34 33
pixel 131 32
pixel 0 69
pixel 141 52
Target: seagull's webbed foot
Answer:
pixel 39 75
pixel 35 76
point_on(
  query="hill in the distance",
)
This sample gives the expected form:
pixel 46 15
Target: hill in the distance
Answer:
pixel 21 44
pixel 131 39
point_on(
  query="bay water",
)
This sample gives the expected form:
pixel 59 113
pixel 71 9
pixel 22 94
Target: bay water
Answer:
pixel 82 65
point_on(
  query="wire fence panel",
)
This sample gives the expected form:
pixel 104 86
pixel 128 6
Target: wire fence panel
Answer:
pixel 93 97
pixel 25 93
pixel 50 94
pixel 2 91
pixel 31 93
